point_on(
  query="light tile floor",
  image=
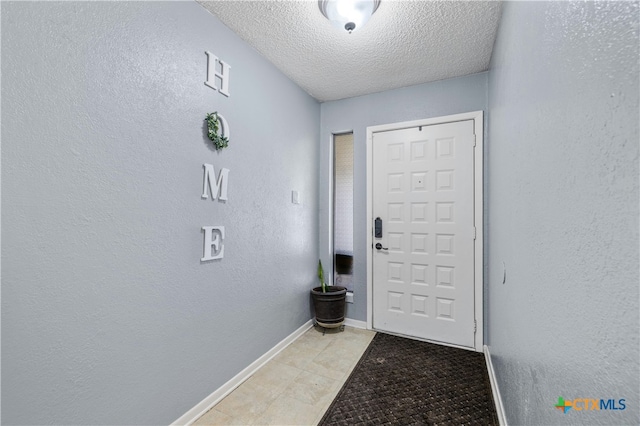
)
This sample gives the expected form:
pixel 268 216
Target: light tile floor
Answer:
pixel 298 385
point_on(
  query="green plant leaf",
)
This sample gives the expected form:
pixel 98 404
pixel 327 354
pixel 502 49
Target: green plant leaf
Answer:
pixel 213 126
pixel 321 277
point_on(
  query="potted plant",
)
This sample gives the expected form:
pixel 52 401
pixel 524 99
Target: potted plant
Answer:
pixel 328 302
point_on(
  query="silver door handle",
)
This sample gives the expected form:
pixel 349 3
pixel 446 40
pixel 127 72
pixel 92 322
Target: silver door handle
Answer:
pixel 379 247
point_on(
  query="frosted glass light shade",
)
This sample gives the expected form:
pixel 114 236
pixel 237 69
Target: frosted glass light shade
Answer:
pixel 349 15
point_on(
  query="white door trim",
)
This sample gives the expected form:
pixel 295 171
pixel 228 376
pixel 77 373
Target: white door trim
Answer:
pixel 477 117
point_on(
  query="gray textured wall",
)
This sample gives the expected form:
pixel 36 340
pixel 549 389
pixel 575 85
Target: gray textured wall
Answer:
pixel 436 99
pixel 108 315
pixel 563 209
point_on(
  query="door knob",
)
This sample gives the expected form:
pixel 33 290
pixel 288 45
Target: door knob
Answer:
pixel 379 247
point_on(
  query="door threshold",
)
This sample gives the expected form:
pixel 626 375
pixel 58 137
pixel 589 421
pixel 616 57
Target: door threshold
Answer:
pixel 435 342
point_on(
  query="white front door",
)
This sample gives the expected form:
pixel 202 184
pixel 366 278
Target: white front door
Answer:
pixel 423 266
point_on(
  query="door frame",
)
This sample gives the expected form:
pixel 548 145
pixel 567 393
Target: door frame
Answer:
pixel 477 117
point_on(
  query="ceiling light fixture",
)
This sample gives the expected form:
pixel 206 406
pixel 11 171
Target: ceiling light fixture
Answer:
pixel 349 15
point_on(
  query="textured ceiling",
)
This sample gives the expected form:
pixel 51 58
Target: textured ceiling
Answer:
pixel 404 43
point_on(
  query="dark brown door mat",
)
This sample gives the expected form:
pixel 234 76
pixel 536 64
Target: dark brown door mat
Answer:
pixel 400 381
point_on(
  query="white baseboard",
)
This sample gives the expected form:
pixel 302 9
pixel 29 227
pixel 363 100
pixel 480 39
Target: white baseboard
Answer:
pixel 205 405
pixel 497 398
pixel 355 323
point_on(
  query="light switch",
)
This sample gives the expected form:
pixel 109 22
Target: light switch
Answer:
pixel 295 197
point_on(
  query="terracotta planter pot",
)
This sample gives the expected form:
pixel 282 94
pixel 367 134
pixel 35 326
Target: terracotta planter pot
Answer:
pixel 329 307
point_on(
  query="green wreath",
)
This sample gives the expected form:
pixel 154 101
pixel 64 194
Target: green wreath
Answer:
pixel 213 124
